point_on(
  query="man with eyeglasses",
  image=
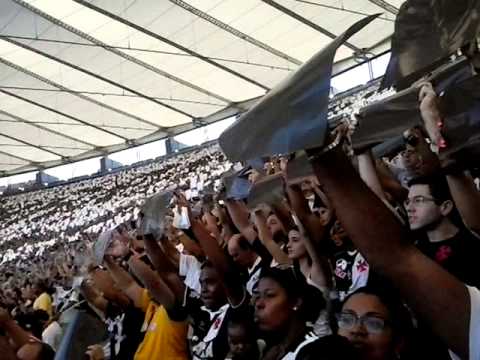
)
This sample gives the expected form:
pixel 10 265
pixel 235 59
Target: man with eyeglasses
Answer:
pixel 443 208
pixel 440 232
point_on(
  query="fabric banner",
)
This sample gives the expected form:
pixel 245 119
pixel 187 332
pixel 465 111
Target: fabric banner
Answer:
pixel 427 31
pixel 391 116
pixel 268 190
pixel 299 168
pixel 236 184
pixel 462 128
pixel 389 148
pixel 293 116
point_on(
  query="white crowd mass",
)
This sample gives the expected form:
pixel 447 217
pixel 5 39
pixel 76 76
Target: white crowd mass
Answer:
pixel 35 221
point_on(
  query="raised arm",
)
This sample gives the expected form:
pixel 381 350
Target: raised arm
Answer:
pixel 19 336
pixel 462 188
pixel 368 173
pixel 160 261
pixel 314 229
pixel 93 296
pixel 163 265
pixel 191 246
pixel 433 293
pixel 235 289
pixel 125 281
pixel 467 199
pixel 153 282
pixel 266 238
pixel 227 226
pixel 239 215
pixel 321 273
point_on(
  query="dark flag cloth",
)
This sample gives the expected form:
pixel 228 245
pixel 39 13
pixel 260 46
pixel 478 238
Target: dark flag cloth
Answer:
pixel 426 32
pixel 462 128
pixel 293 116
pixel 257 164
pixel 268 190
pixel 236 184
pixel 391 116
pixel 299 168
pixel 389 148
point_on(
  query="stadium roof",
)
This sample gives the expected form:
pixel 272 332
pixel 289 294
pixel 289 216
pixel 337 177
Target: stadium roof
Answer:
pixel 84 78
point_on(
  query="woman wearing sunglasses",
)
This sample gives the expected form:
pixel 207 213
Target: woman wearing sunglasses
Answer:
pixel 375 323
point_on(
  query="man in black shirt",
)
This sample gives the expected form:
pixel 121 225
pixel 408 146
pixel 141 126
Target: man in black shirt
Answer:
pixel 431 210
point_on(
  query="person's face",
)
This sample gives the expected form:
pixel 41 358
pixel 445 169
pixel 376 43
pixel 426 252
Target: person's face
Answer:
pixel 212 293
pixel 424 213
pixel 273 309
pixel 307 188
pixel 338 234
pixel 242 345
pixel 296 245
pixel 240 256
pixel 325 215
pixel 409 159
pixel 274 225
pixel 378 345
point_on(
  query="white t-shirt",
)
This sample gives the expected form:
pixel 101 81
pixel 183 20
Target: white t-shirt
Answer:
pixel 190 267
pixel 474 323
pixel 52 335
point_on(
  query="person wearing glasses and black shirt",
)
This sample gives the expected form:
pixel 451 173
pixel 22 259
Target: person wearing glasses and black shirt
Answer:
pixel 445 205
pixel 431 211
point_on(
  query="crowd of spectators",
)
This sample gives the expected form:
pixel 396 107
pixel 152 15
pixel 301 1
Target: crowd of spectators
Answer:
pixel 358 258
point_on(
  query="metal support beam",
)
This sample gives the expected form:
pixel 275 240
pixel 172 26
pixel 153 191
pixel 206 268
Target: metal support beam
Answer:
pixel 30 144
pixel 234 31
pixel 47 147
pixel 227 112
pixel 109 81
pixel 28 161
pixel 49 82
pixel 308 23
pixel 23 120
pixel 169 42
pixel 122 54
pixel 385 6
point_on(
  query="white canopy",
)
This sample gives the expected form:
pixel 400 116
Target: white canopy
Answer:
pixel 84 78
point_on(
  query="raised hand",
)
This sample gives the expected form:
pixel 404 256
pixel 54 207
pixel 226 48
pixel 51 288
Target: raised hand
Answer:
pixel 431 115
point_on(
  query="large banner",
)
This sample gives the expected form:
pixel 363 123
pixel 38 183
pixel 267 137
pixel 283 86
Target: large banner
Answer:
pixel 426 31
pixel 293 116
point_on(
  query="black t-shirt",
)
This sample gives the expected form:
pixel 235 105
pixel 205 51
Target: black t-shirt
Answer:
pixel 124 330
pixel 209 330
pixel 332 347
pixel 458 255
pixel 343 273
pixel 310 347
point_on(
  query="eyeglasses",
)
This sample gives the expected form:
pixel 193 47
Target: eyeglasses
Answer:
pixel 373 324
pixel 417 200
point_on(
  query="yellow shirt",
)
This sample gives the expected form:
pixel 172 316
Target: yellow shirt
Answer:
pixel 164 339
pixel 44 302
